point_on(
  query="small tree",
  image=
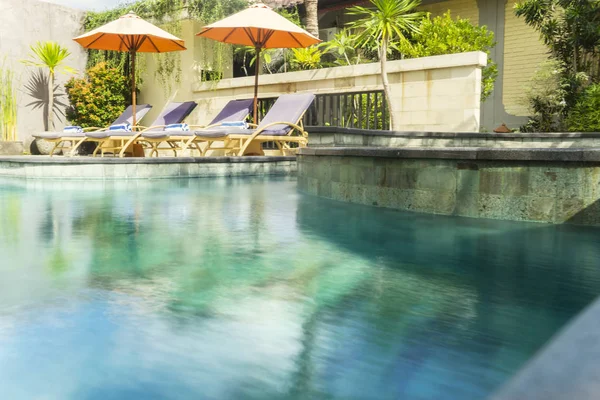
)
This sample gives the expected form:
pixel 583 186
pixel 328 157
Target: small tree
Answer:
pixel 388 21
pixel 571 30
pixel 49 55
pixel 98 99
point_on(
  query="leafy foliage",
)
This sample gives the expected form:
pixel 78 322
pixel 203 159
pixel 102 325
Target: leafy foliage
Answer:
pixel 585 115
pixel 445 35
pixel 49 55
pixel 571 30
pixel 343 48
pixel 545 96
pixel 98 99
pixel 388 20
pixel 306 58
pixel 167 14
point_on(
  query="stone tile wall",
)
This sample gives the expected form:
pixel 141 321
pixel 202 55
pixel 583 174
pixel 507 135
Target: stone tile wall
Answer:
pixel 542 191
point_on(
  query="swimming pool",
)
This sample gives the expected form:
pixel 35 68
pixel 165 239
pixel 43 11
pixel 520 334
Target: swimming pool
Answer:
pixel 247 289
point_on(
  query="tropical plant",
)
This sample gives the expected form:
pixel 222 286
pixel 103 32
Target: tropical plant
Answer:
pixel 306 58
pixel 445 35
pixel 343 48
pixel 49 55
pixel 545 97
pixel 585 115
pixel 388 21
pixel 571 30
pixel 98 99
pixel 8 104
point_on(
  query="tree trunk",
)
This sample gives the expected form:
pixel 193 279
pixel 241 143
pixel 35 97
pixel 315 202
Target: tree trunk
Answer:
pixel 50 121
pixel 386 84
pixel 312 18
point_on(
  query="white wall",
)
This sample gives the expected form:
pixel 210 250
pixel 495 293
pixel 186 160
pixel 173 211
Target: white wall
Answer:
pixel 24 22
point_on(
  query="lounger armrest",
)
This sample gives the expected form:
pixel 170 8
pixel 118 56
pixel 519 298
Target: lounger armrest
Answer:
pixel 251 125
pixel 290 124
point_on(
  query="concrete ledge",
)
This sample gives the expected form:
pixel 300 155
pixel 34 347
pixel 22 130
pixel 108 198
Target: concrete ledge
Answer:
pixel 36 167
pixel 567 368
pixel 11 148
pixel 328 136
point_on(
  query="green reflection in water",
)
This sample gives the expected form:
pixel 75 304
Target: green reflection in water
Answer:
pixel 247 289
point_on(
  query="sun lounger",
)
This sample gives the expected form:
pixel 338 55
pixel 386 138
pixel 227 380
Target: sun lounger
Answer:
pixel 59 138
pixel 121 140
pixel 282 125
pixel 234 110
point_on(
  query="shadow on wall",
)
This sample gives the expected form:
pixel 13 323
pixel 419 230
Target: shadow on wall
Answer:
pixel 37 88
pixel 589 215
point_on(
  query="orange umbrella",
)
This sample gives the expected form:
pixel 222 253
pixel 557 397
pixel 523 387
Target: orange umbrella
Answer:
pixel 133 34
pixel 261 27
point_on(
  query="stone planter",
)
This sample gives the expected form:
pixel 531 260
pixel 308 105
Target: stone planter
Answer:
pixel 41 147
pixel 11 148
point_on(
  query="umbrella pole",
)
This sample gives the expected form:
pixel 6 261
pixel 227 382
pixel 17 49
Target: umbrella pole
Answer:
pixel 257 71
pixel 133 99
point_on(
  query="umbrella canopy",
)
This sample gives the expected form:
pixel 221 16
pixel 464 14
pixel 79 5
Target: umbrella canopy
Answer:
pixel 261 27
pixel 132 34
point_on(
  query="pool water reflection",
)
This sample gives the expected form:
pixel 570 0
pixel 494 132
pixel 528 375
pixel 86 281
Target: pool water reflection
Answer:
pixel 244 288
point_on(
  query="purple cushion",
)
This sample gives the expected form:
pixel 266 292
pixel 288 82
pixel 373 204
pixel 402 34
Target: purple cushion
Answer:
pixel 288 108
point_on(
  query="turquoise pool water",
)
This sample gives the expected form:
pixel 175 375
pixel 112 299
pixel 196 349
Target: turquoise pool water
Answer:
pixel 246 289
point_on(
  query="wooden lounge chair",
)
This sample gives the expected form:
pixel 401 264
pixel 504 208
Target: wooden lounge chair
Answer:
pixel 234 110
pixel 282 125
pixel 120 141
pixel 60 139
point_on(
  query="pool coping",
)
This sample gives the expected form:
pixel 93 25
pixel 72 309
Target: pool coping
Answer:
pixel 142 160
pixel 114 168
pixel 461 153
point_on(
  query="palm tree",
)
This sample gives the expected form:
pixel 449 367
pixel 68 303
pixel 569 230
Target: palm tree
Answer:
pixel 387 22
pixel 312 18
pixel 49 55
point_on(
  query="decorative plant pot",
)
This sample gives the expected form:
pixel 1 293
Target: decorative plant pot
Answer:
pixel 41 147
pixel 11 148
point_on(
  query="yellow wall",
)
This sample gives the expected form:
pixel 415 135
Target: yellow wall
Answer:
pixel 458 8
pixel 523 53
pixel 197 53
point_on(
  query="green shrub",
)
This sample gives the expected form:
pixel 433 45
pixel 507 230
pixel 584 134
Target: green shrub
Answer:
pixel 306 58
pixel 343 48
pixel 445 35
pixel 98 99
pixel 545 97
pixel 585 115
